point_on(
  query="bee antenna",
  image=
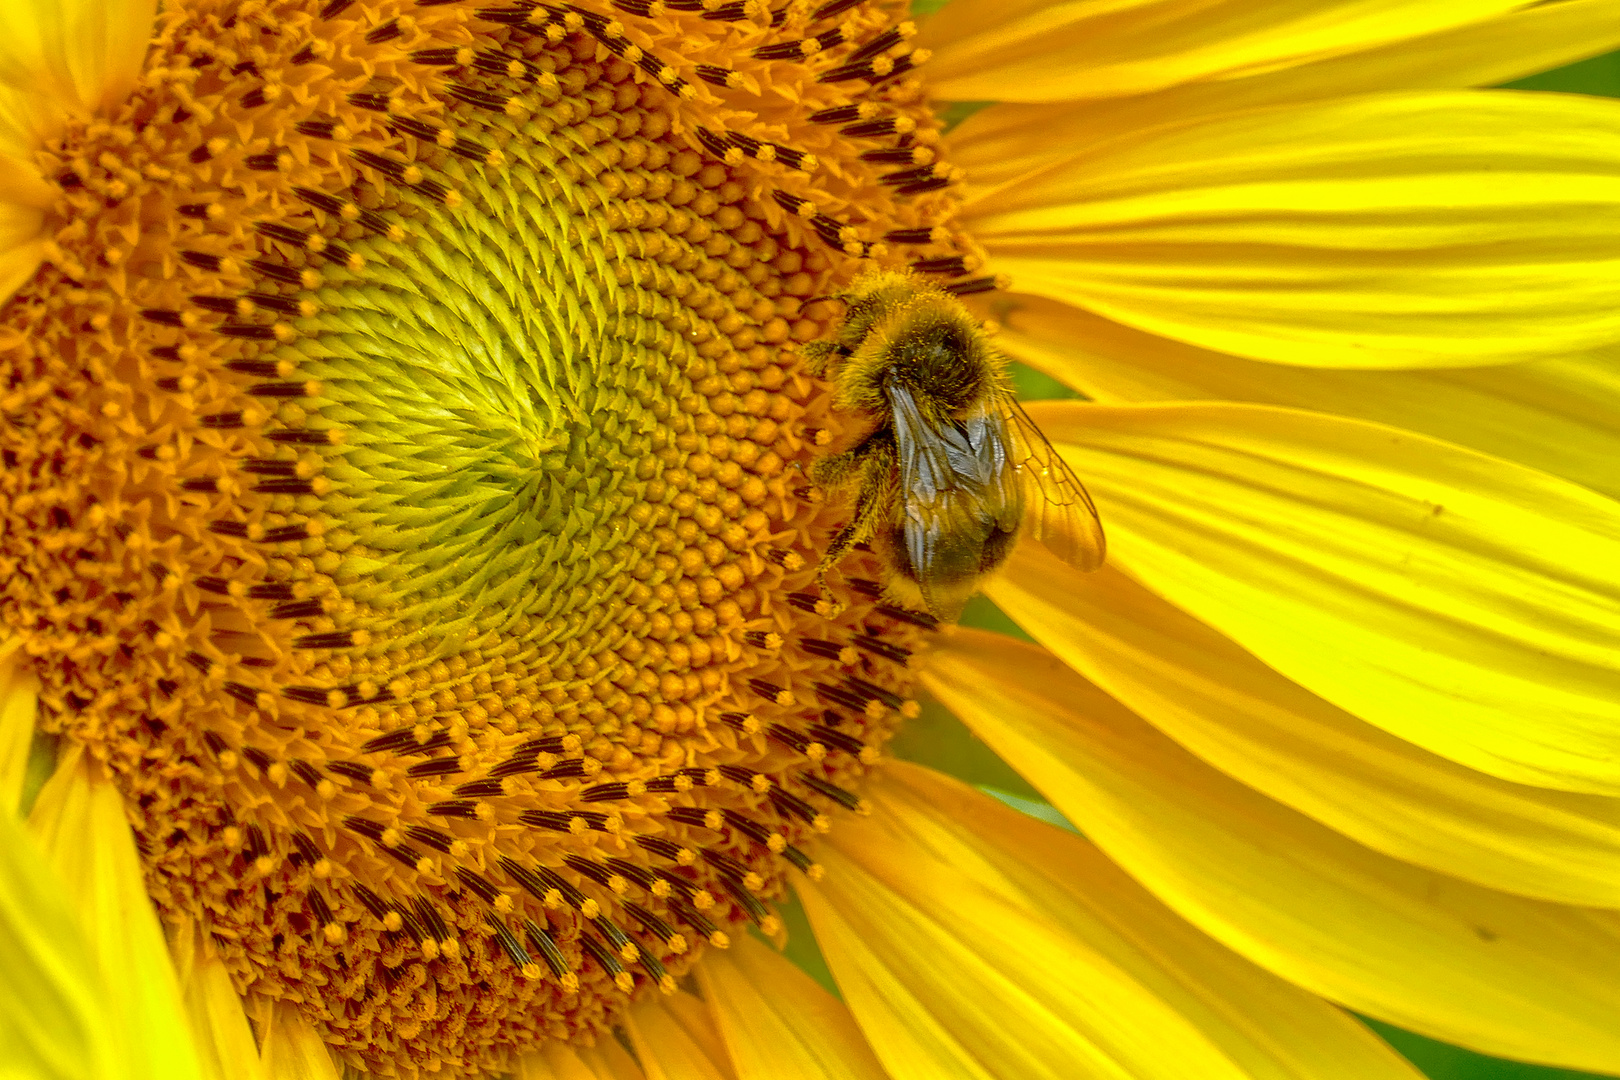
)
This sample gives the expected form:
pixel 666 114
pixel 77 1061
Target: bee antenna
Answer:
pixel 819 299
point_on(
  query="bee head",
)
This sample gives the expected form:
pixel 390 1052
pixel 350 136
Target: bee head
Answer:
pixel 938 352
pixel 901 329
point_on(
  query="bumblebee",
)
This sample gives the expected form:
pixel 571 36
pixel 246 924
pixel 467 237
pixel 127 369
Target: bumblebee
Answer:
pixel 951 469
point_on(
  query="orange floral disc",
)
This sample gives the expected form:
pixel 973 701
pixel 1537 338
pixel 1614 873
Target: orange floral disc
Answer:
pixel 404 491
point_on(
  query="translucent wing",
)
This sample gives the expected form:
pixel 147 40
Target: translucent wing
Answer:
pixel 1057 511
pixel 955 507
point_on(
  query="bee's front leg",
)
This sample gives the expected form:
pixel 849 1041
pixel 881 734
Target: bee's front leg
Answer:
pixel 819 356
pixel 836 470
pixel 875 461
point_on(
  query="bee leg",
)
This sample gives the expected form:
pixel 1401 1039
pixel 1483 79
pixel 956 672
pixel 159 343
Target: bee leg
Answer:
pixel 875 460
pixel 837 548
pixel 835 470
pixel 818 355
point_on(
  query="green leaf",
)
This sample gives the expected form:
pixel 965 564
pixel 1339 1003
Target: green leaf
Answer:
pixel 1440 1061
pixel 1599 75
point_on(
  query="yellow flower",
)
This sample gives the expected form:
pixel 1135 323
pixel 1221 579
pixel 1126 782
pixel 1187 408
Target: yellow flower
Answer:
pixel 410 574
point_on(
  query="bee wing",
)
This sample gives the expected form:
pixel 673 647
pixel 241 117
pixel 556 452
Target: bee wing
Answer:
pixel 1057 510
pixel 931 455
pixel 951 496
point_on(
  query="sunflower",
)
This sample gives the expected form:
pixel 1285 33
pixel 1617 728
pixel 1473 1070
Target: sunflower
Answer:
pixel 414 620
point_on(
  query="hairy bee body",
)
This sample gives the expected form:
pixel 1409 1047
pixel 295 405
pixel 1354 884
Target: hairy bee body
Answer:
pixel 951 469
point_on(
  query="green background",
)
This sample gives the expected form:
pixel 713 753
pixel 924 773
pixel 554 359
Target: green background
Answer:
pixel 939 740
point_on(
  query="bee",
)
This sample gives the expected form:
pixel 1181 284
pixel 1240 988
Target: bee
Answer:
pixel 952 468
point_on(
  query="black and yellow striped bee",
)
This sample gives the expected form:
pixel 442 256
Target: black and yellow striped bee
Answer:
pixel 952 469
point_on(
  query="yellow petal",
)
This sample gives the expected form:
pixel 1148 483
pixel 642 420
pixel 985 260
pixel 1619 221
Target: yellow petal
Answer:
pixel 19 697
pixel 80 823
pixel 676 1039
pixel 555 1060
pixel 22 186
pixel 1001 143
pixel 777 1023
pixel 1240 716
pixel 1554 415
pixel 31 116
pixel 225 1046
pixel 1499 973
pixel 22 248
pixel 1458 601
pixel 533 1065
pixel 1423 229
pixel 53 1008
pixel 973 941
pixel 293 1050
pixel 611 1061
pixel 73 56
pixel 1035 50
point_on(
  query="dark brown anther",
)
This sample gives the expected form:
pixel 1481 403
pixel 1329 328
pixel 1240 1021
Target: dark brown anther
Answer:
pixel 509 943
pixel 247 695
pixel 341 639
pixel 352 770
pixel 974 285
pixel 312 695
pixel 480 789
pixel 388 31
pixel 599 952
pixel 847 799
pixel 543 943
pixel 447 766
pixel 456 808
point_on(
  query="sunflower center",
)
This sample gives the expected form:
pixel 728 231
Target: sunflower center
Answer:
pixel 406 499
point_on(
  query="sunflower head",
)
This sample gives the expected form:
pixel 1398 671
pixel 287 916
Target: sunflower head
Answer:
pixel 417 474
pixel 405 487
